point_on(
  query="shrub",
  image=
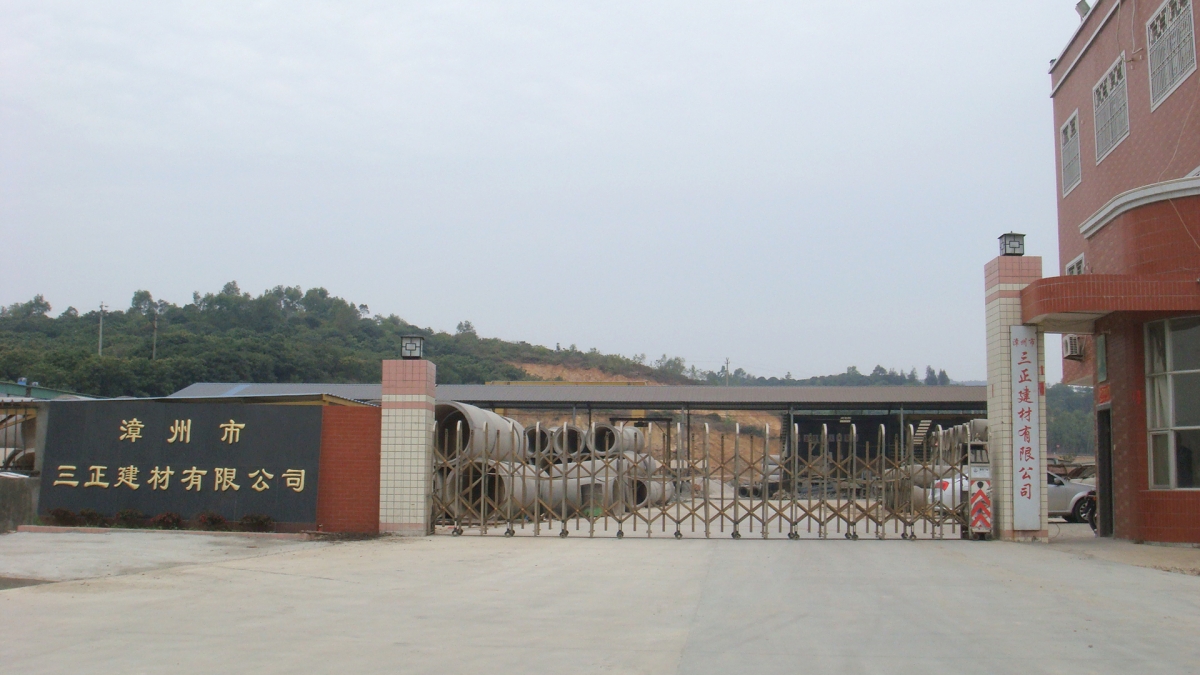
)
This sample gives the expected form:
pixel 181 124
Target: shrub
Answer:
pixel 212 521
pixel 167 521
pixel 257 522
pixel 129 518
pixel 64 517
pixel 92 518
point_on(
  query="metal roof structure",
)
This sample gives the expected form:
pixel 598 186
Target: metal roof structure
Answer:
pixel 949 399
pixel 355 392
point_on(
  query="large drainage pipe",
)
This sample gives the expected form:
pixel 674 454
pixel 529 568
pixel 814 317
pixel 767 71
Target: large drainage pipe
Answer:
pixel 539 447
pixel 504 441
pixel 510 489
pixel 591 487
pixel 569 442
pixel 606 440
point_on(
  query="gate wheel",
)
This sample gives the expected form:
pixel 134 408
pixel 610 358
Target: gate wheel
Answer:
pixel 737 535
pixel 793 536
pixel 456 531
pixel 620 534
pixel 678 534
pixel 563 534
pixel 509 532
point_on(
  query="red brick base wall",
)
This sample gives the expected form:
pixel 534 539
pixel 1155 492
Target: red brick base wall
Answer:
pixel 348 490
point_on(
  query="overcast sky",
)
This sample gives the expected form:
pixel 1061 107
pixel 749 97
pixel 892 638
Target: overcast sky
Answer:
pixel 797 186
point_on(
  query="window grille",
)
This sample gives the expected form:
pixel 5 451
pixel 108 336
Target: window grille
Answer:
pixel 1173 402
pixel 1075 266
pixel 1110 98
pixel 1170 33
pixel 1069 142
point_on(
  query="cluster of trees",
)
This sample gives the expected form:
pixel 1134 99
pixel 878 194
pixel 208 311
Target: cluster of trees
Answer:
pixel 287 334
pixel 880 376
pixel 1070 420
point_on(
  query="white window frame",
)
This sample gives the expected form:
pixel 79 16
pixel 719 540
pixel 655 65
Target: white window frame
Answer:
pixel 1062 153
pixel 1122 90
pixel 1177 23
pixel 1076 264
pixel 1169 431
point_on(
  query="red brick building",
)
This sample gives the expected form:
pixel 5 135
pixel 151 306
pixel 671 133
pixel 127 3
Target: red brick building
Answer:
pixel 1127 122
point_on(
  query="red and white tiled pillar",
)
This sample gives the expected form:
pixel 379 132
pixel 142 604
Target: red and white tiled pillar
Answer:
pixel 1004 277
pixel 406 447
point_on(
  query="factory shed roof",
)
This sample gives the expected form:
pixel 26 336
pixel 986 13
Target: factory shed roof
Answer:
pixel 949 398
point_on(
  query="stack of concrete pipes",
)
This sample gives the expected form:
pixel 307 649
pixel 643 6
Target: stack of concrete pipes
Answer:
pixel 571 470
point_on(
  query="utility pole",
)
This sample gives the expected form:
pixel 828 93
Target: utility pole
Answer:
pixel 100 347
pixel 154 344
pixel 726 368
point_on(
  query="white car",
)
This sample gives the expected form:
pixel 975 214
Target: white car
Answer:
pixel 1064 498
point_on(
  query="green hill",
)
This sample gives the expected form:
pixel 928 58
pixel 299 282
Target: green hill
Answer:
pixel 289 335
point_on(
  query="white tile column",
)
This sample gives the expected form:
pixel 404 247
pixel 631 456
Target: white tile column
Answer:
pixel 1004 277
pixel 406 447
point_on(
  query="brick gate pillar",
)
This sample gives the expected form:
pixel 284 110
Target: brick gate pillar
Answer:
pixel 406 447
pixel 1004 277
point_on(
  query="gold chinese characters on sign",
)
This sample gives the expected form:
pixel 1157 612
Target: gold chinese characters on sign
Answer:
pixel 160 479
pixel 131 430
pixel 231 432
pixel 223 479
pixel 192 479
pixel 181 432
pixel 260 480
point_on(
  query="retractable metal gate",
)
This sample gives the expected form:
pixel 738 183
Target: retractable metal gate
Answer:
pixel 17 431
pixel 624 481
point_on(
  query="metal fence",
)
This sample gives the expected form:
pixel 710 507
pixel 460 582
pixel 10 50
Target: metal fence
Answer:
pixel 18 425
pixel 666 480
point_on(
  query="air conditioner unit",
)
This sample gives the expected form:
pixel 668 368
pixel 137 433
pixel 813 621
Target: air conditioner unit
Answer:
pixel 1072 347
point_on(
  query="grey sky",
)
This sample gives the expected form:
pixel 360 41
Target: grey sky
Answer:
pixel 798 186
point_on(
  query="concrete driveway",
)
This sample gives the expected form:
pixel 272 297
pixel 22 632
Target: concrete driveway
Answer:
pixel 494 605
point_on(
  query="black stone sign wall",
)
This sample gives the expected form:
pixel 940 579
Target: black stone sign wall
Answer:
pixel 185 458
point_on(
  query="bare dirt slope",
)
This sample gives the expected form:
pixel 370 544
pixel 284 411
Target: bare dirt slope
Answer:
pixel 548 371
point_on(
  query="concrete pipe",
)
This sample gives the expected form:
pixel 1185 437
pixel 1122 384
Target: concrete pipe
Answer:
pixel 592 485
pixel 605 467
pixel 505 439
pixel 539 447
pixel 642 464
pixel 648 491
pixel 607 439
pixel 979 430
pixel 569 442
pixel 511 488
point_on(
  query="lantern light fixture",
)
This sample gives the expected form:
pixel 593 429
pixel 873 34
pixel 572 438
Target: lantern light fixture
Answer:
pixel 412 347
pixel 1012 244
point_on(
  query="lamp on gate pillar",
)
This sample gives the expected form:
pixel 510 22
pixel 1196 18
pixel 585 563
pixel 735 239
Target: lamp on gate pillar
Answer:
pixel 1012 244
pixel 412 347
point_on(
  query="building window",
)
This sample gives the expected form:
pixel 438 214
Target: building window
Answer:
pixel 1173 402
pixel 1068 141
pixel 1110 101
pixel 1075 266
pixel 1172 39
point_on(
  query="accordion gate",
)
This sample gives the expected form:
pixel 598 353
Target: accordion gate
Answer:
pixel 712 484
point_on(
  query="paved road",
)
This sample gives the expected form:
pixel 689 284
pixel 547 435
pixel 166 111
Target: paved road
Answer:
pixel 494 605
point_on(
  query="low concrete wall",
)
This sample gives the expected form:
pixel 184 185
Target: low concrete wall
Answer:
pixel 18 502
